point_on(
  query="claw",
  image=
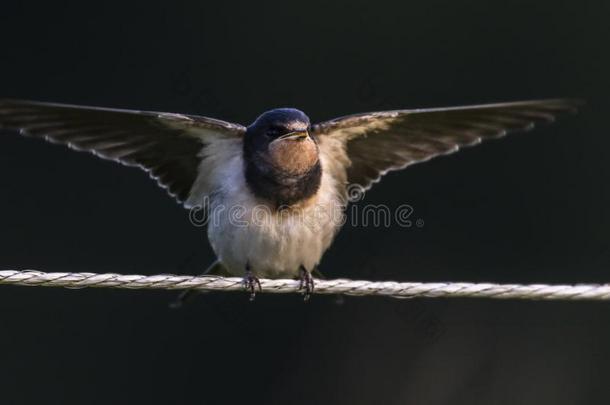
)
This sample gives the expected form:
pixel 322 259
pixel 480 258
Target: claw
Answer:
pixel 307 283
pixel 250 283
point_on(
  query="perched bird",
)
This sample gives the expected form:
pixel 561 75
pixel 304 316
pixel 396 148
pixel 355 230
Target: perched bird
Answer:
pixel 293 172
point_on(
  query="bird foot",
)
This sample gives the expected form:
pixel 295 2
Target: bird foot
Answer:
pixel 307 284
pixel 251 282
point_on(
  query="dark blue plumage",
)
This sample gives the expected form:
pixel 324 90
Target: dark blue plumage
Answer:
pixel 280 183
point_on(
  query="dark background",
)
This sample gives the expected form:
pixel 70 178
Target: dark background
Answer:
pixel 529 208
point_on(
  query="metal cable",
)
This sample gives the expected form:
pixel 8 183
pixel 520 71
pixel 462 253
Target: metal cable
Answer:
pixel 337 286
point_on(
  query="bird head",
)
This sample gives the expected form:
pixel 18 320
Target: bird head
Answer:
pixel 281 138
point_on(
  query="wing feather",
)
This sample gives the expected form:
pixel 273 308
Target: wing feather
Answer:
pixel 168 146
pixel 378 142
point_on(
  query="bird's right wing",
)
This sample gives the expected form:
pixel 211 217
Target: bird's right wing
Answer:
pixel 178 151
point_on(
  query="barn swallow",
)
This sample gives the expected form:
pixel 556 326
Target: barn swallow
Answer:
pixel 298 171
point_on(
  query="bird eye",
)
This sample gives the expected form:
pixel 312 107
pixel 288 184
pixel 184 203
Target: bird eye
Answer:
pixel 273 131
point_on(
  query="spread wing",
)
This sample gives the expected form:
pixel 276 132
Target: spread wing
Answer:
pixel 369 145
pixel 170 147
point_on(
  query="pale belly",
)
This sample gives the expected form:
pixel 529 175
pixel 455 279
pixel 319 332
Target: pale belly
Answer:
pixel 272 244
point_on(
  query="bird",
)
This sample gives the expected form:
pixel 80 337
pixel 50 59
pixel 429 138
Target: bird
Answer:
pixel 296 173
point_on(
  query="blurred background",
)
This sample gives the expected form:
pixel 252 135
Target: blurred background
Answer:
pixel 530 208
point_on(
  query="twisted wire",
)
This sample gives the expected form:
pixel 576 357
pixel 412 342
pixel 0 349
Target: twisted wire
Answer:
pixel 337 286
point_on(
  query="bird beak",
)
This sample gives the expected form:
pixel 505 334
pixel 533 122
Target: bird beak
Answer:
pixel 295 135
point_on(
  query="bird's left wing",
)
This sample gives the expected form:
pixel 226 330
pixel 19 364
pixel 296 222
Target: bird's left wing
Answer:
pixel 172 148
pixel 360 149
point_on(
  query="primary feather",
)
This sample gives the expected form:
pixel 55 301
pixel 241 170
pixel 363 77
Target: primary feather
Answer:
pixel 165 145
pixel 378 142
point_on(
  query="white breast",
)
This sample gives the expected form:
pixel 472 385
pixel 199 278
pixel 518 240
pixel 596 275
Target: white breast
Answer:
pixel 244 231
